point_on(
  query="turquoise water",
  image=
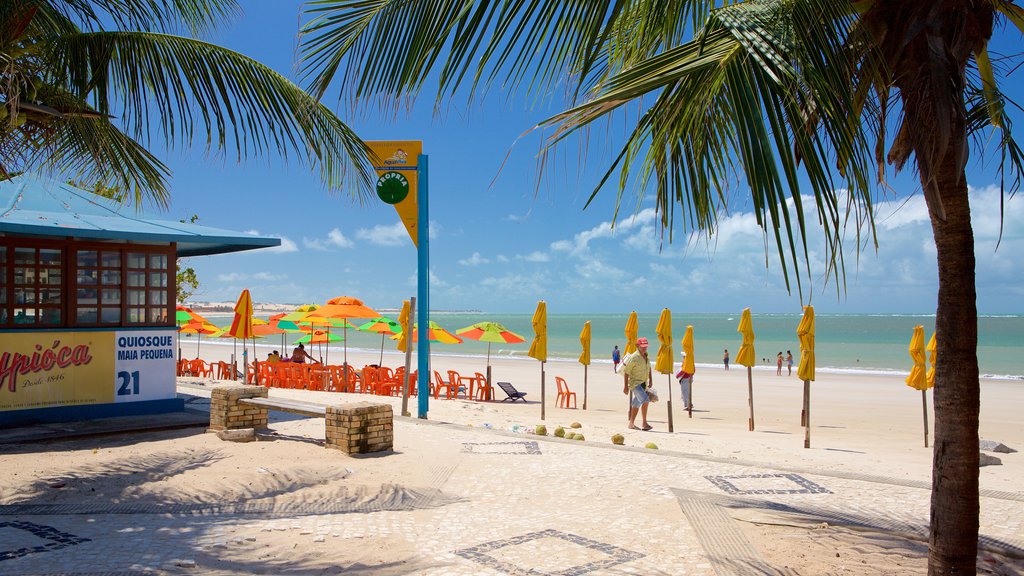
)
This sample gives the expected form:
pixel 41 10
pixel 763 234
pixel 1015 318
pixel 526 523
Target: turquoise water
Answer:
pixel 844 343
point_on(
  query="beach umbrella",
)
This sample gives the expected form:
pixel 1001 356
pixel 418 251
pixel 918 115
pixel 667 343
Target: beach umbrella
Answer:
pixel 539 346
pixel 198 328
pixel 382 326
pixel 918 378
pixel 746 357
pixel 490 332
pixel 932 354
pixel 241 327
pixel 632 328
pixel 689 366
pixel 585 357
pixel 805 371
pixel 318 337
pixel 435 333
pixel 665 362
pixel 403 345
pixel 184 315
pixel 343 308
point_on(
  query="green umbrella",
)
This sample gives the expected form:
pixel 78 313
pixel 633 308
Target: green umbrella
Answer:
pixel 382 326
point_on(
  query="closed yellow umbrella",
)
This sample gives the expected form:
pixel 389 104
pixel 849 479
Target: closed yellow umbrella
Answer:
pixel 805 332
pixel 664 362
pixel 918 378
pixel 746 358
pixel 932 354
pixel 403 319
pixel 689 367
pixel 539 346
pixel 403 345
pixel 632 328
pixel 585 357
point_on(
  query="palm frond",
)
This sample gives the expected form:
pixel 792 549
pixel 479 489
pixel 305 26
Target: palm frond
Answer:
pixel 391 47
pixel 182 90
pixel 194 17
pixel 745 97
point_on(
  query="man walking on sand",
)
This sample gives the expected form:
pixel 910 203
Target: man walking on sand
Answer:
pixel 636 371
pixel 616 358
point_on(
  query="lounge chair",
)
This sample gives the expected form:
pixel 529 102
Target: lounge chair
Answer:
pixel 511 391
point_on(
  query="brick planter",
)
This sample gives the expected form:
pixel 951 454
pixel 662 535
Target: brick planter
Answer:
pixel 227 414
pixel 360 428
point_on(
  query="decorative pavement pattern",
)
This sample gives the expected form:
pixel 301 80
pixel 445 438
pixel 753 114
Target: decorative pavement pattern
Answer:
pixel 766 484
pixel 543 552
pixel 524 448
pixel 57 539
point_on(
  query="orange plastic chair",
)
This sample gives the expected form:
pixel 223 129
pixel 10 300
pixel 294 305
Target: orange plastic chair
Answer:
pixel 275 374
pixel 484 390
pixel 564 394
pixel 371 376
pixel 455 381
pixel 316 377
pixel 184 369
pixel 440 384
pixel 224 371
pixel 200 368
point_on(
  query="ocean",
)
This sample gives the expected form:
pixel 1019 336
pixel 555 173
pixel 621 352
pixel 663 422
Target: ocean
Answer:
pixel 850 343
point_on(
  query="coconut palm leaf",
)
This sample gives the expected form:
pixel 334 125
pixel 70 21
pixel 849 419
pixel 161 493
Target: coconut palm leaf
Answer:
pixel 62 62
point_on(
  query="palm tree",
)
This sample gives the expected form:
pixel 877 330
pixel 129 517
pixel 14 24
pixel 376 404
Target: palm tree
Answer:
pixel 86 86
pixel 792 94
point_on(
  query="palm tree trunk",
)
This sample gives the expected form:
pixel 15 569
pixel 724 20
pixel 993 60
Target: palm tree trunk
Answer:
pixel 953 545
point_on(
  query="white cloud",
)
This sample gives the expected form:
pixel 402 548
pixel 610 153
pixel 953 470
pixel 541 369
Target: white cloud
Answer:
pixel 385 234
pixel 335 239
pixel 475 260
pixel 535 256
pixel 641 223
pixel 501 258
pixel 287 244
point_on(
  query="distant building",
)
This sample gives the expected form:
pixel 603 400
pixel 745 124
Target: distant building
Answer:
pixel 87 296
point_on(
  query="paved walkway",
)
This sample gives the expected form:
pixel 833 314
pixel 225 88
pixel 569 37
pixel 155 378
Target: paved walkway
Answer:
pixel 611 510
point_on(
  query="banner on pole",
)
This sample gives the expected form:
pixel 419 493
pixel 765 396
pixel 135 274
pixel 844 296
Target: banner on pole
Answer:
pixel 397 178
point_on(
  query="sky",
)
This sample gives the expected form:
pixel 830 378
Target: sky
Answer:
pixel 503 238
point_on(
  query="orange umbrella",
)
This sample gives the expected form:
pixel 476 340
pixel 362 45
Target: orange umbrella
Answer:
pixel 342 308
pixel 198 328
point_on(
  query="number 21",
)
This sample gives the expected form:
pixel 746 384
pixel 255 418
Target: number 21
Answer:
pixel 128 378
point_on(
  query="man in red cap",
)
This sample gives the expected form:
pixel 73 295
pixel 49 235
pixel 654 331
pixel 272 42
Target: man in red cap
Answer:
pixel 636 370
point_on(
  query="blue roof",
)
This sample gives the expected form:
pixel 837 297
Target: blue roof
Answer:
pixel 34 205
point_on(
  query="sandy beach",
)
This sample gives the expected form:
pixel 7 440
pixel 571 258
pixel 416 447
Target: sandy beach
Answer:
pixel 470 491
pixel 871 424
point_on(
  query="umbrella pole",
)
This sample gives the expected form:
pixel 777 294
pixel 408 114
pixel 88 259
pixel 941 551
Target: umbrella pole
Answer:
pixel 382 351
pixel 689 384
pixel 234 358
pixel 750 397
pixel 584 386
pixel 199 339
pixel 345 348
pixel 668 378
pixel 924 408
pixel 807 413
pixel 488 383
pixel 542 390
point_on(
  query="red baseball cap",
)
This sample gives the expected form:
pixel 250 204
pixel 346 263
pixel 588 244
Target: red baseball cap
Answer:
pixel 642 342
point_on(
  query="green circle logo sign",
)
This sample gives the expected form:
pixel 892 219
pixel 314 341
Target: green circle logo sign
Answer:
pixel 392 187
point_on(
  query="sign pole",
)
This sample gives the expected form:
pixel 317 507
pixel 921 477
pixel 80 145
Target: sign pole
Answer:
pixel 423 287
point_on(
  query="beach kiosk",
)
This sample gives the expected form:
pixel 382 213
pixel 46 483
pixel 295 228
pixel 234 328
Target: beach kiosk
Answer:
pixel 87 296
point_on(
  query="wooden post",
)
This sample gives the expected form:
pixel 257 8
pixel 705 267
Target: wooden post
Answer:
pixel 408 361
pixel 807 413
pixel 488 387
pixel 924 407
pixel 750 398
pixel 689 408
pixel 584 386
pixel 670 429
pixel 542 390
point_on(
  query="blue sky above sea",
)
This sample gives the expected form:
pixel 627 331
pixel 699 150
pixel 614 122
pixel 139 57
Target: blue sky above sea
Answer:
pixel 504 234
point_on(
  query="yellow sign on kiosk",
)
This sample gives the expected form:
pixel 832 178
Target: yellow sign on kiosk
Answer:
pixel 396 166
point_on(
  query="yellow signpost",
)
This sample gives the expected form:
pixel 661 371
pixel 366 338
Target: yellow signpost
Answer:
pixel 397 168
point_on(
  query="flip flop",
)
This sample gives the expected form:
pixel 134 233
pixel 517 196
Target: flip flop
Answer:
pixel 633 428
pixel 648 427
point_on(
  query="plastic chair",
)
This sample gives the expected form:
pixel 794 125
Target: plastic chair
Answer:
pixel 455 380
pixel 225 371
pixel 440 384
pixel 184 368
pixel 484 390
pixel 200 368
pixel 564 394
